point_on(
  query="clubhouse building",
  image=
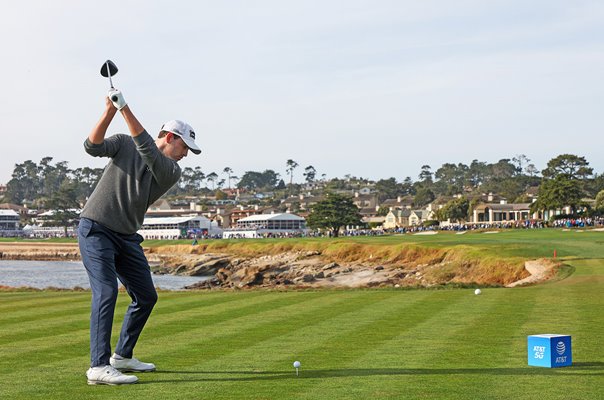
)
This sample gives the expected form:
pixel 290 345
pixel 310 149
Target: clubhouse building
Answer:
pixel 178 227
pixel 266 225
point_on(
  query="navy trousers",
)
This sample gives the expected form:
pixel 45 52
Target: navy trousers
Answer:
pixel 107 257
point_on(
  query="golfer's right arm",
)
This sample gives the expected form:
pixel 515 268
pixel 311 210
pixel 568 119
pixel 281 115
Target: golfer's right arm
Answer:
pixel 97 136
pixel 96 145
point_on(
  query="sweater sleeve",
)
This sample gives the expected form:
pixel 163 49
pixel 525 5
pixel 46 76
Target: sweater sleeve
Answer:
pixel 165 170
pixel 108 148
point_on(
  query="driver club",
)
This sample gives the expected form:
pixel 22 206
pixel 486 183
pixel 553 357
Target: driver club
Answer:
pixel 108 69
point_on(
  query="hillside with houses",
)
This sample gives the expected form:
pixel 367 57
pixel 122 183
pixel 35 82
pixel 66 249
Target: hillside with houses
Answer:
pixel 44 199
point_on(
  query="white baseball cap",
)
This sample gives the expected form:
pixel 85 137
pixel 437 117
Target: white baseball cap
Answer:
pixel 183 130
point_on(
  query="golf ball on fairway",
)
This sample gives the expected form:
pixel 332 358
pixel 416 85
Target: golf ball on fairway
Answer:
pixel 296 364
pixel 477 291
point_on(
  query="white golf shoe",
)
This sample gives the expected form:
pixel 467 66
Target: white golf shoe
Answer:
pixel 130 364
pixel 107 375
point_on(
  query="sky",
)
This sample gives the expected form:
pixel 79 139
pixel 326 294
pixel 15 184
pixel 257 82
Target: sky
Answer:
pixel 374 89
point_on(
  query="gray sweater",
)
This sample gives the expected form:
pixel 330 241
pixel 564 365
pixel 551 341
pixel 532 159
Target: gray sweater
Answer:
pixel 137 175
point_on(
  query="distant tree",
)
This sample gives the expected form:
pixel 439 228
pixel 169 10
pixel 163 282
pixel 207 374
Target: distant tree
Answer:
pixel 280 185
pixel 523 198
pixel 198 178
pixel 253 180
pixel 510 188
pixel 531 170
pixel 387 189
pixel 407 187
pixel 309 173
pixel 455 210
pixel 269 178
pixel 187 180
pixel 450 178
pixel 52 176
pixel 477 173
pixel 291 166
pixel 564 183
pixel 64 204
pixel 568 165
pixel 228 171
pixel 334 212
pixel 595 185
pixel 37 182
pixel 24 184
pixel 520 161
pixel 503 169
pixel 86 179
pixel 423 197
pixel 425 176
pixel 600 201
pixel 557 193
pixel 211 177
pixel 336 184
pixel 383 211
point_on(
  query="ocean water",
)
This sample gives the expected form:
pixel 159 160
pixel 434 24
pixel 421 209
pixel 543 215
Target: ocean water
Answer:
pixel 69 275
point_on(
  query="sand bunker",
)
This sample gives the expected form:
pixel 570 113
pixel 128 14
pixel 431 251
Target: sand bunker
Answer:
pixel 539 270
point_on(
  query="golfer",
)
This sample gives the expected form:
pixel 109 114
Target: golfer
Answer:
pixel 139 172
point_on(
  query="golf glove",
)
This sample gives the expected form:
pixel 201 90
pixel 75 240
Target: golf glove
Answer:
pixel 117 98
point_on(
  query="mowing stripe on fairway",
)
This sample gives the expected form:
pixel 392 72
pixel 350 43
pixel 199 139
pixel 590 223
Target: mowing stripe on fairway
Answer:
pixel 33 315
pixel 395 339
pixel 38 302
pixel 170 302
pixel 233 332
pixel 19 348
pixel 45 349
pixel 352 321
pixel 72 319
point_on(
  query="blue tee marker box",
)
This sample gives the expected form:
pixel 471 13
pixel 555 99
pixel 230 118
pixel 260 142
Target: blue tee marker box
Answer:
pixel 549 350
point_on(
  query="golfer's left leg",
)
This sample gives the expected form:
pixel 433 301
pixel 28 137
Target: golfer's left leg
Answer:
pixel 133 271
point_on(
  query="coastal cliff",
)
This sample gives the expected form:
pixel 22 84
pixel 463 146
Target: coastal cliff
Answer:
pixel 328 266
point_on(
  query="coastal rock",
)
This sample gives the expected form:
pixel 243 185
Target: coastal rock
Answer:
pixel 302 269
pixel 329 266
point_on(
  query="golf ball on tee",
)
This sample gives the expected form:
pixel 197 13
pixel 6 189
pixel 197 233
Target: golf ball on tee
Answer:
pixel 477 291
pixel 296 364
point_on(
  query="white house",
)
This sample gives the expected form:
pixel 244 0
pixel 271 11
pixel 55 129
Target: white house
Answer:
pixel 397 218
pixel 417 217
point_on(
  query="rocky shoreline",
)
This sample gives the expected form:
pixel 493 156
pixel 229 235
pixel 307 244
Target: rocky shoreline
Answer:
pixel 311 269
pixel 290 269
pixel 285 269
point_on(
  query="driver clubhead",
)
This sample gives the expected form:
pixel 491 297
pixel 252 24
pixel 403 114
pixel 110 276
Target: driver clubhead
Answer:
pixel 108 69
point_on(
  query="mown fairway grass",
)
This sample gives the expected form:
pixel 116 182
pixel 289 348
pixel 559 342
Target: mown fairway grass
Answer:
pixel 353 344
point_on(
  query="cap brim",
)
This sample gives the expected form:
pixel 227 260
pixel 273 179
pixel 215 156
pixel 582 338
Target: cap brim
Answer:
pixel 191 145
